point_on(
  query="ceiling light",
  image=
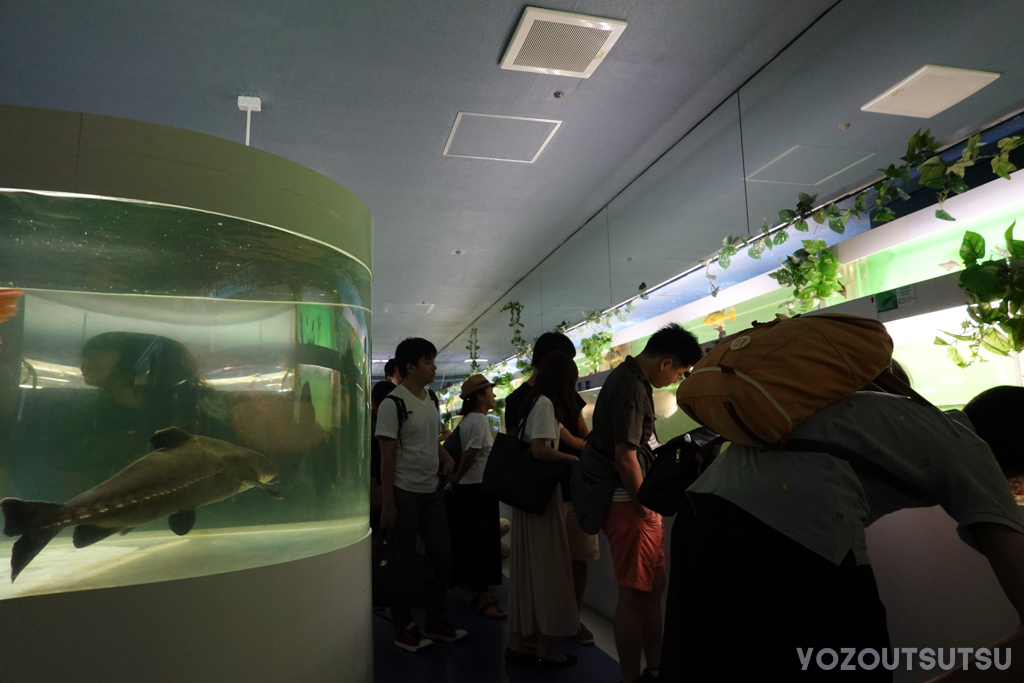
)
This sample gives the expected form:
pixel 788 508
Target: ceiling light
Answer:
pixel 929 90
pixel 478 360
pixel 560 43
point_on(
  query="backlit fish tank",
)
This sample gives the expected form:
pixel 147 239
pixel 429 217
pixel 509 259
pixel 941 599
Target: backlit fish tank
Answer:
pixel 130 318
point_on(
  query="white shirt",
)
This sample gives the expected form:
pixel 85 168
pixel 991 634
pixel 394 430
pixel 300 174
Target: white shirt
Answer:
pixel 541 423
pixel 475 432
pixel 825 505
pixel 416 461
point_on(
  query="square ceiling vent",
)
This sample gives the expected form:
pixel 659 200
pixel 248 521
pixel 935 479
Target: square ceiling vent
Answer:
pixel 929 90
pixel 560 43
pixel 499 138
pixel 806 165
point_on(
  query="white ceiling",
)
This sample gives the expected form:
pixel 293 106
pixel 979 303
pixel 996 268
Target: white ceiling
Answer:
pixel 367 93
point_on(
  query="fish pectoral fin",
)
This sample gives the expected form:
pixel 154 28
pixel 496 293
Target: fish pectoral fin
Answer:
pixel 182 522
pixel 269 488
pixel 86 534
pixel 170 437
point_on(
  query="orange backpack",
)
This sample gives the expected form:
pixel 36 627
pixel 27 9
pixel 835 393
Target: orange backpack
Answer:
pixel 754 387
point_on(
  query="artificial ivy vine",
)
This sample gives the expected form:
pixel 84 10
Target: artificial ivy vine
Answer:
pixel 995 296
pixel 813 272
pixel 474 349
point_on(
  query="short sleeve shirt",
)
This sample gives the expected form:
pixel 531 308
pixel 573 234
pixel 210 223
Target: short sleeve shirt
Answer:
pixel 624 413
pixel 825 505
pixel 475 432
pixel 541 423
pixel 416 461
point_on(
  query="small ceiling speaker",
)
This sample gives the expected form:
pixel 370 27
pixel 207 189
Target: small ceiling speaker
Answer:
pixel 560 43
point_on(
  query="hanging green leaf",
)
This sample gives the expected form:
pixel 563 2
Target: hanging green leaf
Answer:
pixel 782 236
pixel 972 248
pixel 1015 247
pixel 724 260
pixel 939 341
pixel 800 225
pixel 939 213
pixel 818 216
pixel 787 215
pixel 884 214
pixel 756 249
pixel 996 342
pixel 955 356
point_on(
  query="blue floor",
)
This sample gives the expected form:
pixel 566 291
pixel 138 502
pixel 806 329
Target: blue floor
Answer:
pixel 480 657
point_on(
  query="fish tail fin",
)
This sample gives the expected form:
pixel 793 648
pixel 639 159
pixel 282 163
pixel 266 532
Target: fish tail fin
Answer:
pixel 732 315
pixel 21 515
pixel 22 518
pixel 27 547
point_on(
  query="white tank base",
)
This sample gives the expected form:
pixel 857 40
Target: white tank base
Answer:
pixel 303 621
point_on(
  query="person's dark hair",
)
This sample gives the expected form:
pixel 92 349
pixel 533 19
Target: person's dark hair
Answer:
pixel 378 394
pixel 555 378
pixel 390 367
pixel 147 360
pixel 412 351
pixel 996 414
pixel 549 342
pixel 471 403
pixel 672 341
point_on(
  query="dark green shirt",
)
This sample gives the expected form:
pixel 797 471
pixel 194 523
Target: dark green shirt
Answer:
pixel 624 414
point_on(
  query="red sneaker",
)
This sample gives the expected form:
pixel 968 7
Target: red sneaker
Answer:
pixel 445 632
pixel 411 640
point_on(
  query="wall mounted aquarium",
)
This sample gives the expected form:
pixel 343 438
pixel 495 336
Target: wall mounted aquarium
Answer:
pixel 181 393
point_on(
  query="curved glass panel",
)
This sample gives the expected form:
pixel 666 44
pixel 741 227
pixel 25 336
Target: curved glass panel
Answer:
pixel 249 342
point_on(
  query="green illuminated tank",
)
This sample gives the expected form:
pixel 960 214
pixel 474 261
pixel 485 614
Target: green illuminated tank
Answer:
pixel 175 283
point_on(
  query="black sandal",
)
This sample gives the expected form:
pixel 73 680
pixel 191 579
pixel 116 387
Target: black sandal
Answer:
pixel 545 663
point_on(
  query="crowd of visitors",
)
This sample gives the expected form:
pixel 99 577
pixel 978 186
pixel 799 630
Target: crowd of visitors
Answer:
pixel 769 552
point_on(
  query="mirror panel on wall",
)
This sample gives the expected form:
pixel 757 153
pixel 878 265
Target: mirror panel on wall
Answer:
pixel 575 277
pixel 803 128
pixel 679 210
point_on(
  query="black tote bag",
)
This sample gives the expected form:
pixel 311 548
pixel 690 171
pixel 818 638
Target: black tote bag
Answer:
pixel 517 478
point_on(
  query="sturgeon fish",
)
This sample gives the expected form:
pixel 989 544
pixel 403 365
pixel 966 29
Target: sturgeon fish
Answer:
pixel 182 473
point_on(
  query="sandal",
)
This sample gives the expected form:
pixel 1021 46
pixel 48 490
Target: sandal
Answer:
pixel 487 606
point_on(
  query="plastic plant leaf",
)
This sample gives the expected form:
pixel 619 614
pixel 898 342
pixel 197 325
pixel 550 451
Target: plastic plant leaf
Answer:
pixel 781 237
pixel 939 341
pixel 939 213
pixel 972 248
pixel 800 225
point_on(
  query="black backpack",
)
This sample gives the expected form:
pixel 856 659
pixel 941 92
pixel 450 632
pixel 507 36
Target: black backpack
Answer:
pixel 403 412
pixel 675 467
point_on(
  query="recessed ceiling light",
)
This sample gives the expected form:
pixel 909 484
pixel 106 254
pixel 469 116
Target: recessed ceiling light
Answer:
pixel 930 90
pixel 478 360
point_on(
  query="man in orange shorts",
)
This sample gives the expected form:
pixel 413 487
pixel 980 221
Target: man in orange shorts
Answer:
pixel 624 422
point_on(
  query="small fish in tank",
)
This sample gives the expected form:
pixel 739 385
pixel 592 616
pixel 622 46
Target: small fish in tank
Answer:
pixel 9 304
pixel 182 473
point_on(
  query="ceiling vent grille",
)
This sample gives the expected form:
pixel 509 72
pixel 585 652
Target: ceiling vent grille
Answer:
pixel 560 43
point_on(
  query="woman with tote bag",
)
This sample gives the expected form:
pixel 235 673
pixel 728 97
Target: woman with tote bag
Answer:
pixel 541 601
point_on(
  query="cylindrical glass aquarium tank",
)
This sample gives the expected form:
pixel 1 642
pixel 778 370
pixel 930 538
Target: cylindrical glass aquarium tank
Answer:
pixel 184 344
pixel 182 393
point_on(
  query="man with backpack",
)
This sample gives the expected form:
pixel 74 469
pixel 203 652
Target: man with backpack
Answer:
pixel 408 424
pixel 777 574
pixel 618 453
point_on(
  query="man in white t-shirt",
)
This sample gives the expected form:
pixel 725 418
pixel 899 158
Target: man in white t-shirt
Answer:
pixel 408 425
pixel 776 554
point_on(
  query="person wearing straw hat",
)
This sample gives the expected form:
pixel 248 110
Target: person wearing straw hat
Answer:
pixel 473 512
